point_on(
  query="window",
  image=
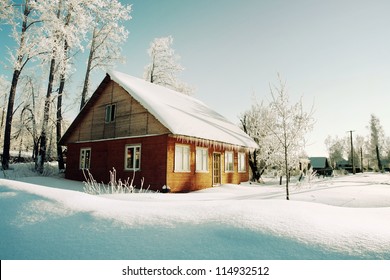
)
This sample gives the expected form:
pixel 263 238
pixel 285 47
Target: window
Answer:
pixel 110 113
pixel 229 161
pixel 241 162
pixel 85 158
pixel 133 157
pixel 202 155
pixel 182 158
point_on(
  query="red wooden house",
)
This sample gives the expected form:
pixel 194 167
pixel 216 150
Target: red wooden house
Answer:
pixel 161 135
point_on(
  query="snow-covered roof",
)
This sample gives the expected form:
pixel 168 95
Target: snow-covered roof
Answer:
pixel 319 162
pixel 181 114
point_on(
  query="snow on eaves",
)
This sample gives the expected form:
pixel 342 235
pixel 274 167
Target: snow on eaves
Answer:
pixel 181 114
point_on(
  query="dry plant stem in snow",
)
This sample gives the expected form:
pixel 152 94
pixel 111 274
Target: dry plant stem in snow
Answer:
pixel 91 186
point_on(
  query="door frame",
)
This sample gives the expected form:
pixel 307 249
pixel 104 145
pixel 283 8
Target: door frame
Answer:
pixel 219 169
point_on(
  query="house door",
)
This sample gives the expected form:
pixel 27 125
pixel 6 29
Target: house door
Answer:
pixel 216 169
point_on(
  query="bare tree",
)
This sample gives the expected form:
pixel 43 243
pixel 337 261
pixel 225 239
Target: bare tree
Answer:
pixel 289 126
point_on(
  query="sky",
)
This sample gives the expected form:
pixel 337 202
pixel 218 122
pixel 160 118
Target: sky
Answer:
pixel 333 54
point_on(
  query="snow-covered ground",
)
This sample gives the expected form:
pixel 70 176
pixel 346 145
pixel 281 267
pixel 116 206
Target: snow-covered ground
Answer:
pixel 344 217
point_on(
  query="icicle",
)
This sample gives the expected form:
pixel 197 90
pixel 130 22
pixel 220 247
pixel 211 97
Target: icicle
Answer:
pixel 207 143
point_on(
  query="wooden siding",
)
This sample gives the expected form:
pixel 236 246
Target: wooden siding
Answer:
pixel 157 163
pixel 131 118
pixel 134 125
pixel 108 154
pixel 193 180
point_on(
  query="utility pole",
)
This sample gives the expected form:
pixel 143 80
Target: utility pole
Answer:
pixel 352 157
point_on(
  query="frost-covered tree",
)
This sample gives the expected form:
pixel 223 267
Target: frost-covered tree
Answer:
pixel 29 44
pixel 254 123
pixel 290 123
pixel 4 88
pixel 108 34
pixel 387 149
pixel 6 11
pixel 30 116
pixel 66 23
pixel 376 140
pixel 336 149
pixel 359 144
pixel 164 66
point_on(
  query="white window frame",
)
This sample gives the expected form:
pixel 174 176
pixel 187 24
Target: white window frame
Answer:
pixel 110 113
pixel 182 158
pixel 241 162
pixel 136 158
pixel 83 164
pixel 229 161
pixel 202 159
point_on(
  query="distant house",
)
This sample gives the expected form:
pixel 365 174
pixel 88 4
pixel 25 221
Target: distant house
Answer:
pixel 347 166
pixel 321 166
pixel 158 134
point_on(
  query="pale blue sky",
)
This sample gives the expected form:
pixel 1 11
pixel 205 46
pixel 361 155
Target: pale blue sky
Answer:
pixel 336 54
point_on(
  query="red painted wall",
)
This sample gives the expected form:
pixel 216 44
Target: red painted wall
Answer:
pixel 157 163
pixel 108 154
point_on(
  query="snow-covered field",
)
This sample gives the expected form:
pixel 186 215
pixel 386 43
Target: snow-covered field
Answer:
pixel 344 217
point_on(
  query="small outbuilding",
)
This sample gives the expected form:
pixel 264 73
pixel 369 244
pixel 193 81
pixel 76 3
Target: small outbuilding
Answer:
pixel 161 136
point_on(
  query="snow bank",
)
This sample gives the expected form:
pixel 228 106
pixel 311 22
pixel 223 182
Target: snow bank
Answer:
pixel 352 230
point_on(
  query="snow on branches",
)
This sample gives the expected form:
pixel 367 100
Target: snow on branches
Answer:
pixel 164 66
pixel 279 128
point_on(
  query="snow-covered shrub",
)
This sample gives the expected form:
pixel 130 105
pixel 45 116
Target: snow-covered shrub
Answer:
pixel 20 170
pixel 305 181
pixel 115 186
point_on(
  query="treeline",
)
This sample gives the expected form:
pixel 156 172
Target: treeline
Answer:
pixel 369 152
pixel 49 36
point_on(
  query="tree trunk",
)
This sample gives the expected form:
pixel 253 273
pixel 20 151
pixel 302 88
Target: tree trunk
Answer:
pixel 87 73
pixel 3 112
pixel 287 173
pixel 254 168
pixel 11 99
pixel 378 158
pixel 60 157
pixel 35 129
pixel 43 139
pixel 8 121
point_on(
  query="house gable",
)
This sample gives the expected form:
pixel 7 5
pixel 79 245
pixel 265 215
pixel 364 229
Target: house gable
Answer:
pixel 181 142
pixel 183 115
pixel 130 118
